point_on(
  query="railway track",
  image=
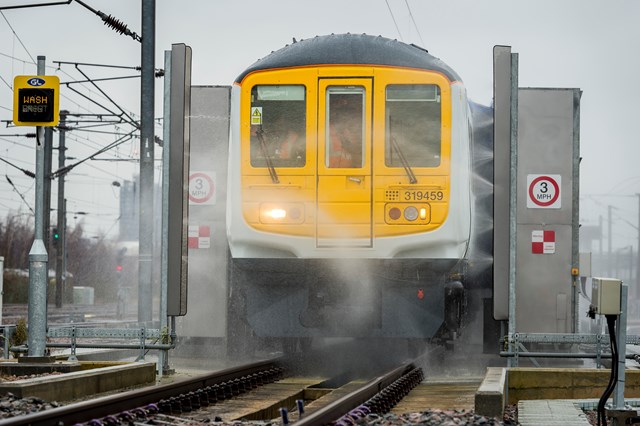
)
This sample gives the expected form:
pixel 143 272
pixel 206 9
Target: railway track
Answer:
pixel 255 392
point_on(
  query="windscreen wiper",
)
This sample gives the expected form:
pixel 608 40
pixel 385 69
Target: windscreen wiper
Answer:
pixel 267 157
pixel 403 160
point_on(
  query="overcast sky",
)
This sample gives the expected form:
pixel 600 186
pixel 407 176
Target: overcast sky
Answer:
pixel 585 44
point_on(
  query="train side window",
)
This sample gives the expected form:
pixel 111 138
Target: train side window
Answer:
pixel 345 126
pixel 413 125
pixel 278 126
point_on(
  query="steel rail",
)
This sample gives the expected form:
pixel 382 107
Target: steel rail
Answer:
pixel 97 408
pixel 344 405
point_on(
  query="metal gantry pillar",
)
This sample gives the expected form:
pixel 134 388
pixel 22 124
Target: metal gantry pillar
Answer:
pixel 145 254
pixel 163 356
pixel 61 222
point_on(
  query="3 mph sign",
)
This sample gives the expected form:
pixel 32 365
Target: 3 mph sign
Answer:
pixel 202 188
pixel 543 191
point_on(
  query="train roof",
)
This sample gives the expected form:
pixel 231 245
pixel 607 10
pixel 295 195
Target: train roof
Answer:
pixel 356 49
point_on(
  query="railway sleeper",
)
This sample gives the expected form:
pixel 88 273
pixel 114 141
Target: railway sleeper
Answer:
pixel 185 403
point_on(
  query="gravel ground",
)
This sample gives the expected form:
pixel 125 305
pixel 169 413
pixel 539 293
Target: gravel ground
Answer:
pixel 12 406
pixel 592 416
pixel 437 418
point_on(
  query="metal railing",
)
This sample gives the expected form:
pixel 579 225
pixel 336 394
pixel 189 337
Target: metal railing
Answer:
pixel 600 341
pixel 145 339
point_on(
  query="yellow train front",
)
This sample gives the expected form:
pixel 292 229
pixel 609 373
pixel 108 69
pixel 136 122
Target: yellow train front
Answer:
pixel 349 202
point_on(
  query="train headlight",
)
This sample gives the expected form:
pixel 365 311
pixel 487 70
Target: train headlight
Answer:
pixel 411 213
pixel 281 213
pixel 277 214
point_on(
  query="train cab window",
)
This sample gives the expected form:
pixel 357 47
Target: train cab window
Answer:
pixel 413 125
pixel 345 126
pixel 278 126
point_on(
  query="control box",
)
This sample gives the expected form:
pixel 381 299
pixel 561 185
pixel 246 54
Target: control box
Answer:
pixel 605 296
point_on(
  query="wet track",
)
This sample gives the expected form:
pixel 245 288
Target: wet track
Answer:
pixel 258 392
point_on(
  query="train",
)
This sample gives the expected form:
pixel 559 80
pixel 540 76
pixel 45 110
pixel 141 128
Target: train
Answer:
pixel 349 198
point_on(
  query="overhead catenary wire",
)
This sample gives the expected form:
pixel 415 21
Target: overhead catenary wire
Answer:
pixel 68 168
pixel 84 141
pixel 24 6
pixel 87 80
pixel 18 38
pixel 18 192
pixel 16 160
pixel 25 171
pixel 125 116
pixel 100 79
pixel 89 64
pixel 6 82
pixel 66 84
pixel 131 120
pixel 394 20
pixel 414 23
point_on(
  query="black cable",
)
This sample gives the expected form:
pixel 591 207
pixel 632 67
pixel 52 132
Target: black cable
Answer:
pixel 104 94
pixel 113 23
pixel 21 196
pixel 613 378
pixel 25 171
pixel 35 5
pixel 67 169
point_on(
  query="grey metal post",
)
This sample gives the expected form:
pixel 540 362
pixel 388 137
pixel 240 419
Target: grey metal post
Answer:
pixel 513 194
pixel 1 287
pixel 600 240
pixel 65 254
pixel 163 356
pixel 60 250
pixel 575 209
pixel 609 241
pixel 38 258
pixel 621 340
pixel 48 154
pixel 638 255
pixel 145 259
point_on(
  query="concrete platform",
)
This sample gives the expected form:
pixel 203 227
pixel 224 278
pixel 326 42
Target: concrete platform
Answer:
pixel 93 378
pixel 25 368
pixel 564 383
pixel 547 396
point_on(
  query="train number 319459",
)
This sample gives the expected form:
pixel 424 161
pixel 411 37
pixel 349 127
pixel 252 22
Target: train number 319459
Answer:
pixel 416 195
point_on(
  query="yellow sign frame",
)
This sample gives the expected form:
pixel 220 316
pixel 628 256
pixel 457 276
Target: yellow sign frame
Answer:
pixel 33 83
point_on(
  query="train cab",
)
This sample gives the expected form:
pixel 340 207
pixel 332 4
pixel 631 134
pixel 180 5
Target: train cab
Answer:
pixel 349 197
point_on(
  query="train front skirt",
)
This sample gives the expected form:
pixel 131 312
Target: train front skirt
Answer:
pixel 344 298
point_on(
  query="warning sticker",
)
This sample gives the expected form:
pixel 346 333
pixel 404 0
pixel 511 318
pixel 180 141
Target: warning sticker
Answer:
pixel 256 115
pixel 543 242
pixel 199 237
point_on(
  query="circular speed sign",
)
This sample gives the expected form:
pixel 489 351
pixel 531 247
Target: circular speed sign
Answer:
pixel 543 191
pixel 201 188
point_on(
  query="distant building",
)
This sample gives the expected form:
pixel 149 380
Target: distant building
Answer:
pixel 129 210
